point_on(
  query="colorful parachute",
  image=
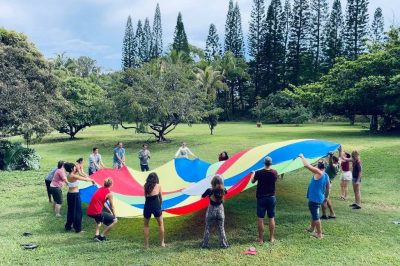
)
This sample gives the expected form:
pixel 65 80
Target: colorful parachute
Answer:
pixel 183 181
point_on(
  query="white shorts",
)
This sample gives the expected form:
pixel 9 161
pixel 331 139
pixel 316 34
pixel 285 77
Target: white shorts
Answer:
pixel 347 176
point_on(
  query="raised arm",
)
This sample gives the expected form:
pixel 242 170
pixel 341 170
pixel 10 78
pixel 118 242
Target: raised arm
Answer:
pixel 312 169
pixel 253 179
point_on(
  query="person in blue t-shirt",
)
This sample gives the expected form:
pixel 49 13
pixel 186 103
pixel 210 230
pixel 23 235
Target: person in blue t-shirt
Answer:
pixel 119 156
pixel 317 192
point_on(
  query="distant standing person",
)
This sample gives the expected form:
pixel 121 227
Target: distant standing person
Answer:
pixel 74 213
pixel 119 156
pixel 95 161
pixel 266 201
pixel 347 176
pixel 144 156
pixel 95 210
pixel 332 169
pixel 152 206
pixel 317 192
pixel 56 185
pixel 357 173
pixel 79 167
pixel 184 152
pixel 215 211
pixel 223 156
pixel 49 178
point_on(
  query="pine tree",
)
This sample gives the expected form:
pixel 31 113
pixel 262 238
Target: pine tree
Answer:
pixel 299 39
pixel 157 43
pixel 256 40
pixel 128 46
pixel 180 38
pixel 286 21
pixel 274 49
pixel 233 31
pixel 213 47
pixel 333 39
pixel 356 28
pixel 139 43
pixel 319 17
pixel 377 27
pixel 147 41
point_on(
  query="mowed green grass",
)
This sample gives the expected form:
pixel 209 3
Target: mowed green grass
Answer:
pixel 356 237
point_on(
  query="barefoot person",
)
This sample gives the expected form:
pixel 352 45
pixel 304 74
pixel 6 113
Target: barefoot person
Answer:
pixel 74 213
pixel 332 169
pixel 119 156
pixel 317 192
pixel 95 210
pixel 347 176
pixel 144 156
pixel 56 185
pixel 215 211
pixel 266 201
pixel 49 178
pixel 152 191
pixel 95 161
pixel 357 172
pixel 184 152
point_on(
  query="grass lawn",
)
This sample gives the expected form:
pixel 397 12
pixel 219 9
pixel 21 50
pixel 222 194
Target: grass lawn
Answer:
pixel 360 237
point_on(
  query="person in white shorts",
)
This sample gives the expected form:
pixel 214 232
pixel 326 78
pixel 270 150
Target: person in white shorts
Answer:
pixel 347 176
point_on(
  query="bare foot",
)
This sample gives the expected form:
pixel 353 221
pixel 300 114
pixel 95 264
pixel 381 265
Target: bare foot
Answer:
pixel 58 215
pixel 316 235
pixel 146 247
pixel 272 240
pixel 163 245
pixel 309 230
pixel 260 241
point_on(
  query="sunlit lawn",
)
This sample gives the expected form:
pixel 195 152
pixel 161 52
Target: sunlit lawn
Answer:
pixel 362 237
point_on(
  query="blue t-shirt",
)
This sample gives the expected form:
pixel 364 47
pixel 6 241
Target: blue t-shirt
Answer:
pixel 316 188
pixel 120 153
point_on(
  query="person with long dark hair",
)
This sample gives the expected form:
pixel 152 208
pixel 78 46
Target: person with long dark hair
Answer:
pixel 74 213
pixel 152 206
pixel 79 167
pixel 215 211
pixel 223 156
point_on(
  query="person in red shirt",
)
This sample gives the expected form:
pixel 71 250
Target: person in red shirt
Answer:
pixel 95 210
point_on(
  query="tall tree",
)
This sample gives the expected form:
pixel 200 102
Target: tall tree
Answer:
pixel 274 49
pixel 356 28
pixel 180 38
pixel 147 41
pixel 319 17
pixel 256 41
pixel 286 20
pixel 233 31
pixel 298 50
pixel 377 27
pixel 333 39
pixel 157 44
pixel 139 43
pixel 213 47
pixel 128 46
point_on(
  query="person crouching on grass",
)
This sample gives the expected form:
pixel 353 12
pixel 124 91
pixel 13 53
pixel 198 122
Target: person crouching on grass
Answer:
pixel 95 210
pixel 317 192
pixel 215 211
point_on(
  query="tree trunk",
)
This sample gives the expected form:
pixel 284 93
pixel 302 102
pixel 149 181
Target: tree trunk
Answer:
pixel 352 119
pixel 373 126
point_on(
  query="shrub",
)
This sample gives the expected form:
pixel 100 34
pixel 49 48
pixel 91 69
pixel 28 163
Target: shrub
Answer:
pixel 13 156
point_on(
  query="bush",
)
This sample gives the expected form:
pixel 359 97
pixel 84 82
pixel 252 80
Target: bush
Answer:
pixel 13 156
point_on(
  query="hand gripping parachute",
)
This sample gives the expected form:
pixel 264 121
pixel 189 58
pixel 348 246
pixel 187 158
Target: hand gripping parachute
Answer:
pixel 183 181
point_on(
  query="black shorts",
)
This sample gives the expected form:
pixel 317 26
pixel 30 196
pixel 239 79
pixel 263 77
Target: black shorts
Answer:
pixel 144 167
pixel 266 205
pixel 56 192
pixel 104 217
pixel 147 212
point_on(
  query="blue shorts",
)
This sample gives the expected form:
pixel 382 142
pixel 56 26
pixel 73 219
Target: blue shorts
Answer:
pixel 266 205
pixel 314 210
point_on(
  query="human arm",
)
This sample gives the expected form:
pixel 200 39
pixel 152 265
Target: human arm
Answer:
pixel 253 177
pixel 82 178
pixel 206 193
pixel 160 196
pixel 80 170
pixel 177 153
pixel 111 208
pixel 123 158
pixel 190 152
pixel 313 169
pixel 327 189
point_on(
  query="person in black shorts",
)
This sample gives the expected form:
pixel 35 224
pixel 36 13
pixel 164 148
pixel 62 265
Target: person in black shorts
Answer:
pixel 266 201
pixel 152 206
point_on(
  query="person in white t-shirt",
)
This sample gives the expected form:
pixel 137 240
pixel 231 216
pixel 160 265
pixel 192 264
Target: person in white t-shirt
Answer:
pixel 184 152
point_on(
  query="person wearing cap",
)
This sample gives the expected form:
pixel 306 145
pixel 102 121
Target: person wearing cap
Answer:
pixel 266 200
pixel 317 193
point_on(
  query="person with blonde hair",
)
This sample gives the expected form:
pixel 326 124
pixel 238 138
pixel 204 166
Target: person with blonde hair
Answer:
pixel 356 172
pixel 215 211
pixel 95 210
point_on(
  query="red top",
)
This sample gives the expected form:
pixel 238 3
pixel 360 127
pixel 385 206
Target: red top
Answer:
pixel 345 166
pixel 97 202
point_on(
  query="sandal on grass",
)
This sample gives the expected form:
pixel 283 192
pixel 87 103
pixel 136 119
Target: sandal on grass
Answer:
pixel 29 246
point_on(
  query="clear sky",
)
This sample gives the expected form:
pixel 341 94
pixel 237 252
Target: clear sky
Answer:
pixel 95 28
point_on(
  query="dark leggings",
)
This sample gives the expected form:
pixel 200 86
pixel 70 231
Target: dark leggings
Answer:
pixel 74 214
pixel 48 182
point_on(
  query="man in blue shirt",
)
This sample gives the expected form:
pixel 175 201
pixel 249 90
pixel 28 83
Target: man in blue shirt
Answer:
pixel 119 156
pixel 317 192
